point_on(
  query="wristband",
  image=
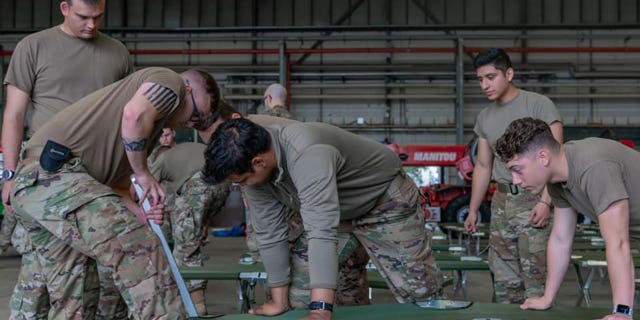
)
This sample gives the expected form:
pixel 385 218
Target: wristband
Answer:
pixel 320 305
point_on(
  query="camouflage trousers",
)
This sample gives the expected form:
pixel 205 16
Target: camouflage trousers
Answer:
pixel 189 210
pixel 395 238
pixel 517 253
pixel 71 219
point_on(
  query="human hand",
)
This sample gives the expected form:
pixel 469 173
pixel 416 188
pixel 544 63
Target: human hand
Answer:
pixel 269 308
pixel 539 217
pixel 318 315
pixel 539 303
pixel 6 190
pixel 471 222
pixel 151 189
pixel 616 317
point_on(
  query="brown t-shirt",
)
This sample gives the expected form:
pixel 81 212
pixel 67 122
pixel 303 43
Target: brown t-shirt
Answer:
pixel 177 164
pixel 601 172
pixel 493 120
pixel 91 127
pixel 56 69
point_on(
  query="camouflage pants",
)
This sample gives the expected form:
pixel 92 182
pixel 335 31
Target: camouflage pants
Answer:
pixel 71 218
pixel 395 238
pixel 517 253
pixel 190 210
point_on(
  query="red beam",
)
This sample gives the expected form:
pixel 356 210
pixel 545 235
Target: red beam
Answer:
pixel 371 50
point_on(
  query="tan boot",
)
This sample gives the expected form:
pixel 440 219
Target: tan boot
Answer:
pixel 199 302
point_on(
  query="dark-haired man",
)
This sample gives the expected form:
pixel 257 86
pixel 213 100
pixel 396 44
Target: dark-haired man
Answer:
pixel 335 179
pixel 519 219
pixel 599 178
pixel 71 188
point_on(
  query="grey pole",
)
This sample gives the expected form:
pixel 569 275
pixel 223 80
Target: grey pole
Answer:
pixel 283 64
pixel 459 93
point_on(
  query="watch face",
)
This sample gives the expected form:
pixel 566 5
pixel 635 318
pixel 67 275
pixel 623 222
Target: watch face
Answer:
pixel 7 174
pixel 622 309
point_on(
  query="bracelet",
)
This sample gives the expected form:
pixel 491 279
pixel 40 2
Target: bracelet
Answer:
pixel 547 203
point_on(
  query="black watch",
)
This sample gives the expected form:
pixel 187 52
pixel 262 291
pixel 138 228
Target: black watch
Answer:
pixel 622 309
pixel 8 174
pixel 320 305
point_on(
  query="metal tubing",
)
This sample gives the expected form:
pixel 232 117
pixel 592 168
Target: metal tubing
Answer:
pixel 460 94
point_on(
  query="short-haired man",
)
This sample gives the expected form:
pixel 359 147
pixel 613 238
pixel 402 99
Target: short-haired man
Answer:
pixel 50 70
pixel 330 176
pixel 166 141
pixel 275 98
pixel 71 188
pixel 519 220
pixel 597 177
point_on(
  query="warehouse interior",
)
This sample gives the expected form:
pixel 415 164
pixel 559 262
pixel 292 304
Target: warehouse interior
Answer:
pixel 395 71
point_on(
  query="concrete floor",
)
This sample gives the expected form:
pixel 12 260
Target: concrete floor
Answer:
pixel 221 295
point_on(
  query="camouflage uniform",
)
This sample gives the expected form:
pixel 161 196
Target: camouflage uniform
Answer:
pixel 190 210
pixel 278 111
pixel 68 215
pixel 517 253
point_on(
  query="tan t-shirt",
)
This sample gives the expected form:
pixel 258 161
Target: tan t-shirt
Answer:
pixel 91 127
pixel 177 164
pixel 56 69
pixel 328 175
pixel 601 172
pixel 493 120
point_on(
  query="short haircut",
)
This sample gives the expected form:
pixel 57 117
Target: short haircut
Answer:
pixel 277 91
pixel 232 148
pixel 210 85
pixel 494 56
pixel 523 136
pixel 91 3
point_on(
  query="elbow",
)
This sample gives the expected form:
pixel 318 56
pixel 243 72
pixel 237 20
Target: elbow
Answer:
pixel 130 116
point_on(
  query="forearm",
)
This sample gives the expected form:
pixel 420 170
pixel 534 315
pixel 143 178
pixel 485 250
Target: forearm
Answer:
pixel 276 262
pixel 13 126
pixel 621 272
pixel 135 133
pixel 558 256
pixel 479 185
pixel 323 263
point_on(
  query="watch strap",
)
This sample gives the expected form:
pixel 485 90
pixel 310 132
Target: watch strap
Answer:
pixel 320 305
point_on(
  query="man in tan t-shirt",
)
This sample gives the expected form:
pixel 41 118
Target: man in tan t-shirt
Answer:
pixel 597 177
pixel 519 220
pixel 71 188
pixel 50 70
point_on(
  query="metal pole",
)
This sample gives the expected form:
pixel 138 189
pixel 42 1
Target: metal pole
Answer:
pixel 283 63
pixel 459 93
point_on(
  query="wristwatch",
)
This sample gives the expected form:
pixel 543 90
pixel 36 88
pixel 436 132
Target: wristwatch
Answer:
pixel 8 174
pixel 320 305
pixel 622 309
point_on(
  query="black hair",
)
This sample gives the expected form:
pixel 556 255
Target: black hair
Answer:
pixel 494 56
pixel 232 148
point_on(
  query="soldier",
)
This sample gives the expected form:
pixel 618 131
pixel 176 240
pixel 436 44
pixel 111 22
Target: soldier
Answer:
pixel 330 176
pixel 519 219
pixel 597 177
pixel 274 102
pixel 166 141
pixel 71 189
pixel 50 70
pixel 190 205
pixel 352 284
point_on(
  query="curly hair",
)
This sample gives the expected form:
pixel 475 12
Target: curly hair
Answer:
pixel 523 136
pixel 232 148
pixel 494 56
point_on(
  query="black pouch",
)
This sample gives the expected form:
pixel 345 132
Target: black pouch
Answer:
pixel 53 156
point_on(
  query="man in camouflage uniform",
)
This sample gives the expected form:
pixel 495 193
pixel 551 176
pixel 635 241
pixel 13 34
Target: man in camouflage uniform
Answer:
pixel 352 282
pixel 337 181
pixel 519 219
pixel 71 190
pixel 275 98
pixel 50 70
pixel 190 204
